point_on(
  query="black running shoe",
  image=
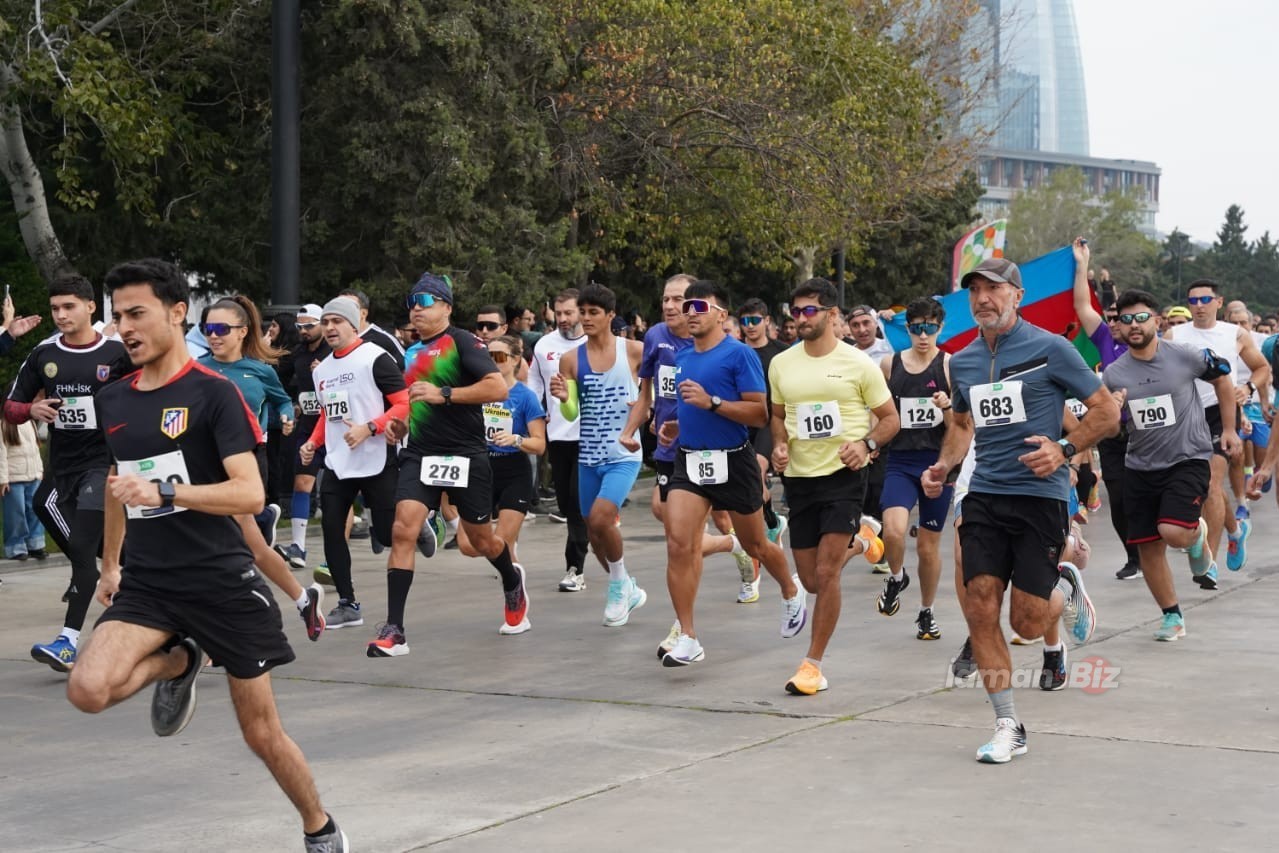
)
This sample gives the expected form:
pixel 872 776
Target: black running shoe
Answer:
pixel 964 667
pixel 174 700
pixel 313 613
pixel 1053 676
pixel 928 628
pixel 889 600
pixel 1129 572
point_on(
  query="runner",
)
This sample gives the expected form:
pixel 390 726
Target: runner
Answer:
pixel 239 354
pixel 919 379
pixel 1169 448
pixel 598 381
pixel 1011 385
pixel 863 329
pixel 311 350
pixel 183 442
pixel 756 328
pixel 360 391
pixel 824 392
pixel 1233 344
pixel 512 428
pixel 57 385
pixel 722 392
pixel 450 380
pixel 562 449
pixel 662 343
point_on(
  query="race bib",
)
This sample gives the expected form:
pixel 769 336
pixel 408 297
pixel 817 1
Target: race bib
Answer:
pixel 309 402
pixel 1077 407
pixel 997 404
pixel 818 420
pixel 446 471
pixel 707 467
pixel 666 381
pixel 77 413
pixel 337 406
pixel 165 468
pixel 497 419
pixel 919 413
pixel 1152 412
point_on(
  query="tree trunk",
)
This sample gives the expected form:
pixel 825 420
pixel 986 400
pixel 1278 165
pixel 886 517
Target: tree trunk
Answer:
pixel 804 259
pixel 27 189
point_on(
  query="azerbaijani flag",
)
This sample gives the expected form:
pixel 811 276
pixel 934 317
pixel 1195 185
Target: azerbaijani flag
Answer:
pixel 1048 303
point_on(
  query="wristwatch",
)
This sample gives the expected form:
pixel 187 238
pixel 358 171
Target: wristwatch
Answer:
pixel 871 444
pixel 372 427
pixel 1066 447
pixel 716 402
pixel 447 393
pixel 167 494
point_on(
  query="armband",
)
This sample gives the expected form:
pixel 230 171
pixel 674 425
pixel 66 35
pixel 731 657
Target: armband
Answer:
pixel 1214 366
pixel 568 408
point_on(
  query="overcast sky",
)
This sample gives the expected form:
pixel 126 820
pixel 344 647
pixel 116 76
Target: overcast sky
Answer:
pixel 1193 87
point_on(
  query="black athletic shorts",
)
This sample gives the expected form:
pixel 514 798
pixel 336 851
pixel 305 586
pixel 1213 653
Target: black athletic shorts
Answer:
pixel 828 504
pixel 1174 495
pixel 301 435
pixel 665 470
pixel 243 632
pixel 1213 415
pixel 1017 538
pixel 474 501
pixel 259 453
pixel 86 488
pixel 743 493
pixel 512 482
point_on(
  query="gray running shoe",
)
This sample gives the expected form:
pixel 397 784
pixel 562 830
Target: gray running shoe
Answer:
pixel 964 667
pixel 333 842
pixel 346 615
pixel 173 702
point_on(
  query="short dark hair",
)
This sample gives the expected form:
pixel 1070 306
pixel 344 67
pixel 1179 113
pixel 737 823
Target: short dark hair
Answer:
pixel 1205 282
pixel 566 294
pixel 753 305
pixel 491 309
pixel 817 288
pixel 926 308
pixel 704 288
pixel 360 296
pixel 599 296
pixel 1133 296
pixel 514 312
pixel 72 284
pixel 168 285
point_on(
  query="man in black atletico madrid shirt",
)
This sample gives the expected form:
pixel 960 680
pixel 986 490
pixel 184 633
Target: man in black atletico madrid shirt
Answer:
pixel 183 583
pixel 57 385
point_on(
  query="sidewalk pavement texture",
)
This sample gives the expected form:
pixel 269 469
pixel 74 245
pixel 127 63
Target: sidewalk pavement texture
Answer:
pixel 572 737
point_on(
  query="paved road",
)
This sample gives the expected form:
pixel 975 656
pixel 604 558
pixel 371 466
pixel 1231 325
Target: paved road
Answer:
pixel 573 738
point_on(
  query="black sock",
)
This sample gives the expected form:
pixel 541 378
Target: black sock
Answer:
pixel 1175 610
pixel 327 829
pixel 398 582
pixel 505 568
pixel 770 517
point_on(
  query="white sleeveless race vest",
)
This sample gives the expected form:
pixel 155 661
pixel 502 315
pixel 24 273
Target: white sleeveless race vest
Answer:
pixel 1223 339
pixel 346 391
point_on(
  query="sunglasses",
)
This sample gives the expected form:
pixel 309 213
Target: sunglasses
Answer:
pixel 1139 317
pixel 500 357
pixel 306 327
pixel 1110 318
pixel 420 300
pixel 1199 300
pixel 220 330
pixel 809 311
pixel 698 306
pixel 486 325
pixel 923 328
pixel 750 320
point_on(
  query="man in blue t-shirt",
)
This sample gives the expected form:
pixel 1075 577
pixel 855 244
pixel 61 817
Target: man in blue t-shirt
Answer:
pixel 722 392
pixel 1010 385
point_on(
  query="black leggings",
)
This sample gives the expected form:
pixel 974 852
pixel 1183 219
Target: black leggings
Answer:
pixel 563 459
pixel 78 532
pixel 336 499
pixel 1112 451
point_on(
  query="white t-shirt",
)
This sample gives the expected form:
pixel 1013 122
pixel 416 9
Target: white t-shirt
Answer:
pixel 546 363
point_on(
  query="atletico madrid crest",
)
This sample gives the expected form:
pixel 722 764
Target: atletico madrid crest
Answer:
pixel 104 372
pixel 173 422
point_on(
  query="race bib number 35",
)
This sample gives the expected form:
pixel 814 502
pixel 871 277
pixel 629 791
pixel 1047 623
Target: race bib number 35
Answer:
pixel 77 413
pixel 707 467
pixel 666 381
pixel 1152 412
pixel 997 404
pixel 165 468
pixel 818 420
pixel 446 471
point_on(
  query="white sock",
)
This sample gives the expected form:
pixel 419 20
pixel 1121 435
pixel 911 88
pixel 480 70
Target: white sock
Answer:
pixel 737 546
pixel 1054 648
pixel 897 575
pixel 71 634
pixel 453 525
pixel 302 600
pixel 298 525
pixel 617 571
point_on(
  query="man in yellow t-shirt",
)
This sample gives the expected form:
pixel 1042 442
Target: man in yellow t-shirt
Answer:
pixel 823 391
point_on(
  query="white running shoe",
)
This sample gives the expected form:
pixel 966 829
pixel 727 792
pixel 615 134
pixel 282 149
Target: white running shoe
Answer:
pixel 623 597
pixel 669 643
pixel 687 651
pixel 574 581
pixel 749 593
pixel 794 614
pixel 1009 740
